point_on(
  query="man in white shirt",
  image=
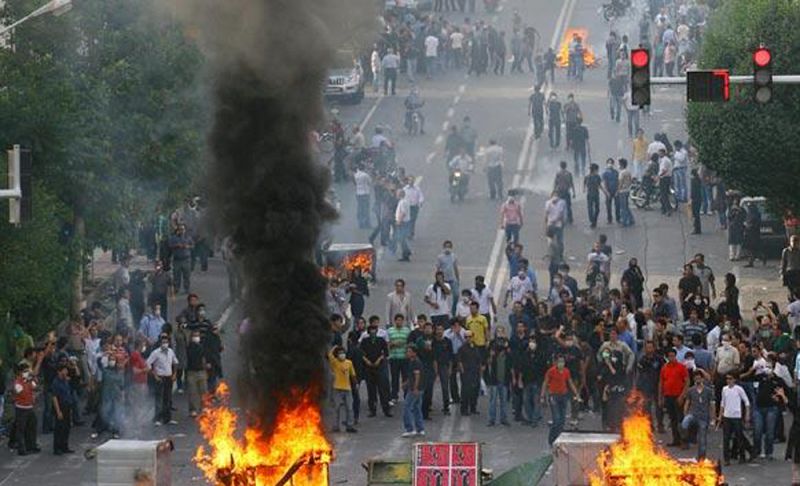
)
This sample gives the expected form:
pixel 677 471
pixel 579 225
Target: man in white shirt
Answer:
pixel 431 53
pixel 402 220
pixel 519 288
pixel 457 46
pixel 494 169
pixel 438 296
pixel 485 298
pixel 730 415
pixel 399 302
pixel 389 64
pixel 655 147
pixel 664 181
pixel 681 163
pixel 357 140
pixel 415 200
pixel 363 191
pixel 555 210
pixel 375 65
pixel 163 366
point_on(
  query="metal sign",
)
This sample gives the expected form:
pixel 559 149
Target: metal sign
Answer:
pixel 447 464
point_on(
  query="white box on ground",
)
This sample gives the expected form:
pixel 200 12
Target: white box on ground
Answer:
pixel 575 456
pixel 119 460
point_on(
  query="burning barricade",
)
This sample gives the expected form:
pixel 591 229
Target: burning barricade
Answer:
pixel 296 453
pixel 341 259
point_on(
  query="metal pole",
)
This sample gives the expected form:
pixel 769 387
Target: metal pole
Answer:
pixel 748 79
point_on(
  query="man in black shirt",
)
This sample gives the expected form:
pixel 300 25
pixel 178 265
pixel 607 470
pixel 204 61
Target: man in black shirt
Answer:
pixel 529 375
pixel 592 185
pixel 375 355
pixel 766 413
pixel 425 353
pixel 519 345
pixel 470 366
pixel 212 347
pixel 196 378
pixel 648 370
pixel 580 146
pixel 554 121
pixel 443 357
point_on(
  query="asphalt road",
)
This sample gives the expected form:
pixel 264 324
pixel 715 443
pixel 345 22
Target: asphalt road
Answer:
pixel 497 106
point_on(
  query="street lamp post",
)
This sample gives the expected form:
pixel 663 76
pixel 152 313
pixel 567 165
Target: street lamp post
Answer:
pixel 55 7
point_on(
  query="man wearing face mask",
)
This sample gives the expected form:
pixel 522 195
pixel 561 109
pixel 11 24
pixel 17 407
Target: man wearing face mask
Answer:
pixel 520 288
pixel 498 377
pixel 614 390
pixel 212 350
pixel 766 412
pixel 485 299
pixel 344 376
pixel 557 385
pixel 574 361
pixel 196 377
pixel 529 374
pixel 447 263
pixel 163 365
pixel 25 387
pixel 376 356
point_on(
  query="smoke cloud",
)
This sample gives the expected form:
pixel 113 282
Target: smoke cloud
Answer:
pixel 268 60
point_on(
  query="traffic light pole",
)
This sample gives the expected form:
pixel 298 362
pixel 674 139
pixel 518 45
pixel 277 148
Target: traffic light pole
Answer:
pixel 776 79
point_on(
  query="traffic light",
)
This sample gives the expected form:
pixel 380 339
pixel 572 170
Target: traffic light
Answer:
pixel 762 75
pixel 640 77
pixel 703 86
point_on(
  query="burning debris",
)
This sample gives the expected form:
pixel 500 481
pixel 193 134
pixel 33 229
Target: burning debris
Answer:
pixel 342 259
pixel 295 453
pixel 562 57
pixel 636 461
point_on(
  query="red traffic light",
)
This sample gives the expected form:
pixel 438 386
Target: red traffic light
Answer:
pixel 762 57
pixel 640 58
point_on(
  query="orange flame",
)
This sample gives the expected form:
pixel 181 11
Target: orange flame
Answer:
pixel 362 261
pixel 562 59
pixel 262 461
pixel 636 461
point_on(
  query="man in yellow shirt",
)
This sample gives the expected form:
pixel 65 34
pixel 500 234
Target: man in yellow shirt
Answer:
pixel 344 375
pixel 479 326
pixel 639 157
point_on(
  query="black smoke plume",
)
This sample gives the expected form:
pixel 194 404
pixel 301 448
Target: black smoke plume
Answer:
pixel 268 61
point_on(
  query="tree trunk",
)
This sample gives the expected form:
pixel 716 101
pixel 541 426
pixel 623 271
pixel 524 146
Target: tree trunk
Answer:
pixel 79 235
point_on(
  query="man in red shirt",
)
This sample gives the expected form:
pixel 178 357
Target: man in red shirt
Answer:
pixel 674 381
pixel 556 381
pixel 25 417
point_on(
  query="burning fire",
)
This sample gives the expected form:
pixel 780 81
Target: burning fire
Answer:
pixel 636 461
pixel 562 59
pixel 362 261
pixel 297 453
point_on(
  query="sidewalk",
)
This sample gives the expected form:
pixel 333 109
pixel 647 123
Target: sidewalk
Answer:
pixel 45 469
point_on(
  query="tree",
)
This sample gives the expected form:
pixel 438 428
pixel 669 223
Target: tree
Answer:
pixel 752 146
pixel 106 98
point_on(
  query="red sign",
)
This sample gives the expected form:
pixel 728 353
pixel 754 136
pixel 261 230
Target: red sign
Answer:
pixel 446 464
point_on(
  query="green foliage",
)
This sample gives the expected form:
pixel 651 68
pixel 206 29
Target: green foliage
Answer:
pixel 107 97
pixel 35 266
pixel 752 146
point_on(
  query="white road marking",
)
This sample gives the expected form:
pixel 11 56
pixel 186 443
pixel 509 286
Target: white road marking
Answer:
pixel 450 112
pixel 370 113
pixel 457 99
pixel 462 88
pixel 497 265
pixel 445 125
pixel 430 157
pixel 439 139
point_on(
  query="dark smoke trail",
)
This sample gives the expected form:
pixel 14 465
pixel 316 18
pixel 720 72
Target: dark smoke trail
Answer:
pixel 268 59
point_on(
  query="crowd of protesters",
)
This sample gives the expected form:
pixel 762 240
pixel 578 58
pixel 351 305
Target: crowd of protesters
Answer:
pixel 115 372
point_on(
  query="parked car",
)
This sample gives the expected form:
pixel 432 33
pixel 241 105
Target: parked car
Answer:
pixel 773 231
pixel 345 79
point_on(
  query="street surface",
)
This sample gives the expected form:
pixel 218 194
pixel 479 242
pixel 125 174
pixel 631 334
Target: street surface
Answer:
pixel 498 108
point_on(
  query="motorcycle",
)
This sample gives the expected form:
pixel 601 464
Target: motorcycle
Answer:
pixel 615 9
pixel 413 122
pixel 459 182
pixel 643 196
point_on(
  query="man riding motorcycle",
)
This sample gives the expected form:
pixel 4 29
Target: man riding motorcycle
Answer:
pixel 461 164
pixel 413 103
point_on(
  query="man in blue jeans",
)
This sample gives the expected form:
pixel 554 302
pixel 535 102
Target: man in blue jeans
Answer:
pixel 498 377
pixel 766 414
pixel 698 411
pixel 557 384
pixel 412 407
